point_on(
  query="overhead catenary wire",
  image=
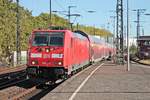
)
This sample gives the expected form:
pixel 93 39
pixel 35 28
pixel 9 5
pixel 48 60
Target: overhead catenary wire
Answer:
pixel 62 8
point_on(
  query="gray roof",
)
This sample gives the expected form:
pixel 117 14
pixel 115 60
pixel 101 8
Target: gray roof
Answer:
pixel 144 38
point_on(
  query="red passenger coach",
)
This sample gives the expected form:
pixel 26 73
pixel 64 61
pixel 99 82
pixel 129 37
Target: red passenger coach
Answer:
pixel 54 54
pixel 97 48
pixel 100 49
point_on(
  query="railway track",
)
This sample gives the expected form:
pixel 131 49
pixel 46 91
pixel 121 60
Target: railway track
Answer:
pixel 17 91
pixel 27 89
pixel 10 75
pixel 5 70
pixel 15 86
pixel 12 78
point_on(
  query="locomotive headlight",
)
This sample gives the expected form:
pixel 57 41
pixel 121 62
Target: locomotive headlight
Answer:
pixel 47 50
pixel 59 63
pixel 33 62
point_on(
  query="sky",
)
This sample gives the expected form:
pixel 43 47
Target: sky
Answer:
pixel 100 18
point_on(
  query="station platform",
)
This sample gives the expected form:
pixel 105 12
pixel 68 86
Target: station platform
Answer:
pixel 105 81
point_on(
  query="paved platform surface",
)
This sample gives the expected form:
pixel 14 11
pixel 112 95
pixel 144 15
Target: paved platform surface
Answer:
pixel 106 82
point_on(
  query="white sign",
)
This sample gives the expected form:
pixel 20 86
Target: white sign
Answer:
pixel 36 55
pixel 57 55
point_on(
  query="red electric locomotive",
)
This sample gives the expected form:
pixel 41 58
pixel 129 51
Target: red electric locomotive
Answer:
pixel 54 54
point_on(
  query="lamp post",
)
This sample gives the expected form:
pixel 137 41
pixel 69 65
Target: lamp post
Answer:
pixel 128 50
pixel 18 53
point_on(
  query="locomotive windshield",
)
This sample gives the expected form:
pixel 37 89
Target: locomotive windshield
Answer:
pixel 48 39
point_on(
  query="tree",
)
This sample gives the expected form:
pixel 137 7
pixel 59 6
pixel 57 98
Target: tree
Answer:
pixel 28 23
pixel 133 49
